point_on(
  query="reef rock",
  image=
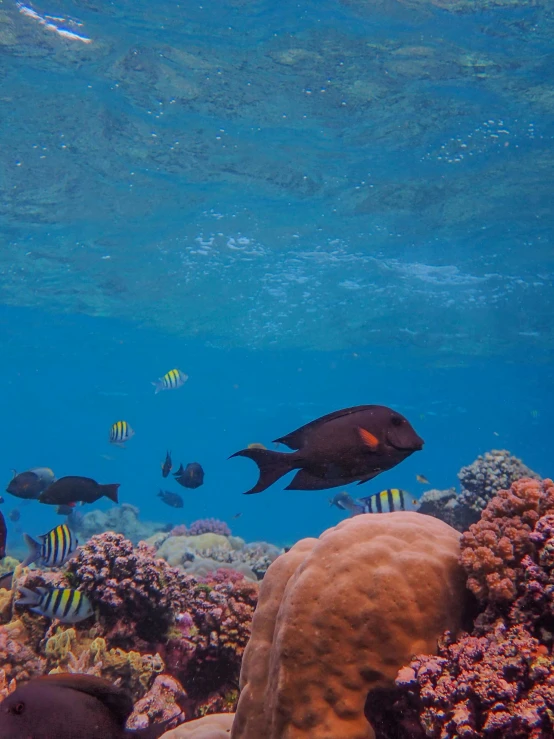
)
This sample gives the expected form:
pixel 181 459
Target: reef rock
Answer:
pixel 123 519
pixel 216 726
pixel 338 616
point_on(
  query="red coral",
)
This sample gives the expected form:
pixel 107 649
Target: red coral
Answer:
pixel 498 686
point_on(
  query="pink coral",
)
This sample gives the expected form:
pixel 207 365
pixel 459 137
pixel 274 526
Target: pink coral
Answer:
pixel 131 587
pixel 498 685
pixel 494 548
pixel 18 661
pixel 180 530
pixel 209 526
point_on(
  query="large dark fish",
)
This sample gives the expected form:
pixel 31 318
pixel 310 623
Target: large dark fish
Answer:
pixel 30 484
pixel 350 445
pixel 192 476
pixel 67 706
pixel 72 489
pixel 172 499
pixel 3 536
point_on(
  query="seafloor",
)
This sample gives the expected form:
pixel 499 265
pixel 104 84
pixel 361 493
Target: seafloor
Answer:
pixel 400 625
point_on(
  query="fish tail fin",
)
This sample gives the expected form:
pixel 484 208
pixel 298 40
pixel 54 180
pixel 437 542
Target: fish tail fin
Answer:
pixel 34 550
pixel 272 465
pixel 30 597
pixel 110 491
pixel 158 386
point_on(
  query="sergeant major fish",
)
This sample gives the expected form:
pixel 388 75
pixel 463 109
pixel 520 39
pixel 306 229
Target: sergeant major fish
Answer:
pixel 120 432
pixel 53 549
pixel 170 381
pixel 388 501
pixel 68 606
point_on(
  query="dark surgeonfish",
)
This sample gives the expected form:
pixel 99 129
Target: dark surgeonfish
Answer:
pixel 67 706
pixel 192 476
pixel 172 499
pixel 167 465
pixel 350 445
pixel 3 536
pixel 53 549
pixel 73 489
pixel 30 484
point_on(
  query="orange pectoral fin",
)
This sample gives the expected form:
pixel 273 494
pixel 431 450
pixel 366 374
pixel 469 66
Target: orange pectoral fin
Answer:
pixel 368 439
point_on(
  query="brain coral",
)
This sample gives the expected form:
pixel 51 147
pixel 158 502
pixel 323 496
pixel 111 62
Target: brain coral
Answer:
pixel 338 616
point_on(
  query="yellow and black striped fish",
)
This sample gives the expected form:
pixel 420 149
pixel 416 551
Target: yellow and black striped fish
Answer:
pixel 120 432
pixel 170 381
pixel 52 549
pixel 388 501
pixel 69 606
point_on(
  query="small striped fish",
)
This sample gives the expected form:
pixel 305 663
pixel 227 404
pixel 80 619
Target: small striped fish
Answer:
pixel 52 549
pixel 120 432
pixel 388 501
pixel 170 381
pixel 69 606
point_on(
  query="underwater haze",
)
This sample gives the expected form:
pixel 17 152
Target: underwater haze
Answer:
pixel 304 206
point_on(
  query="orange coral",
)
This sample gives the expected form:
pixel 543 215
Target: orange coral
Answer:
pixel 494 547
pixel 338 616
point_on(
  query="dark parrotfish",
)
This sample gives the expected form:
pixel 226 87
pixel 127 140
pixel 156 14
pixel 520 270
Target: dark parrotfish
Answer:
pixel 350 445
pixel 192 476
pixel 167 465
pixel 72 489
pixel 67 706
pixel 30 484
pixel 3 536
pixel 172 499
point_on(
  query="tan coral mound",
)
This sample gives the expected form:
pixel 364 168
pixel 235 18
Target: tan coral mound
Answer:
pixel 338 616
pixel 216 726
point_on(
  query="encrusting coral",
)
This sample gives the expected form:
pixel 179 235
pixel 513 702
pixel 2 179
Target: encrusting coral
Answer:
pixel 338 616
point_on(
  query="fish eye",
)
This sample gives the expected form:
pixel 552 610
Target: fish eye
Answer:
pixel 396 421
pixel 17 708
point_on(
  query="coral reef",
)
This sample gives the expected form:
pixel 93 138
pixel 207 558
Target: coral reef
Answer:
pixel 209 526
pixel 18 660
pixel 498 680
pixel 122 519
pixel 338 616
pixel 136 593
pixel 487 475
pixel 445 504
pixel 163 702
pixel 497 685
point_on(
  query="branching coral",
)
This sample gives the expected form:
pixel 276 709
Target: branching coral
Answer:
pixel 209 526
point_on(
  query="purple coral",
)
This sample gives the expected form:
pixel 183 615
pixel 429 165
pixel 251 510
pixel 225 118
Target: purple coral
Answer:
pixel 209 526
pixel 134 591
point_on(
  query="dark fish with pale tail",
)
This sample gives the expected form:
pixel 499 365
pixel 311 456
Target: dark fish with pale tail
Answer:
pixel 70 706
pixel 167 465
pixel 389 501
pixel 73 489
pixel 30 484
pixel 192 476
pixel 350 445
pixel 346 502
pixel 3 536
pixel 172 499
pixel 53 549
pixel 68 606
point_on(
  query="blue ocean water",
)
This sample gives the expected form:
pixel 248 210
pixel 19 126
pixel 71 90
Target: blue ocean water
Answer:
pixel 303 206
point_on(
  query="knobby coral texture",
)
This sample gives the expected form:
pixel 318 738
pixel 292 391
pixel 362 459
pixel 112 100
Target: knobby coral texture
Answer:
pixel 497 682
pixel 173 640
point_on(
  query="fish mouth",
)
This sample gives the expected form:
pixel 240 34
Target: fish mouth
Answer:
pixel 415 446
